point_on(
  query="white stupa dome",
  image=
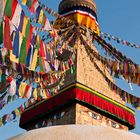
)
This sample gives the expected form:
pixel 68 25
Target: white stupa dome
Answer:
pixel 77 132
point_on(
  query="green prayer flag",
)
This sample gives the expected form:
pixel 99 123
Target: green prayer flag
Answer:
pixel 37 45
pixel 41 65
pixel 1 32
pixel 27 31
pixel 20 110
pixel 8 8
pixel 22 57
pixel 29 3
pixel 72 69
pixel 1 9
pixel 3 80
pixel 44 18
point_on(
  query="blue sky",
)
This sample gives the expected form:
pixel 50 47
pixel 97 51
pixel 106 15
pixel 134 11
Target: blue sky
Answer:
pixel 119 18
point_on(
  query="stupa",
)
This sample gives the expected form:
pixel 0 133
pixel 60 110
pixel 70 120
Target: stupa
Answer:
pixel 86 97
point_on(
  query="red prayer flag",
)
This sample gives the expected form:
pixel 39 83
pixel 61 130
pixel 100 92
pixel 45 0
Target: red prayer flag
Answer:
pixel 42 52
pixel 7 37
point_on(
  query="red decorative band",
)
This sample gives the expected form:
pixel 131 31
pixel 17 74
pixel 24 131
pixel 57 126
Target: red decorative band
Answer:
pixel 81 95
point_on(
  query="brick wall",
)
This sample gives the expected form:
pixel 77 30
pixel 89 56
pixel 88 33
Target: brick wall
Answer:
pixel 89 75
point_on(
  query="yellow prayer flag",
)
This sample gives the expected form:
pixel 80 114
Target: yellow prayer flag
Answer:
pixel 17 112
pixel 24 2
pixel 138 108
pixel 5 2
pixel 34 61
pixel 37 38
pixel 25 22
pixel 35 94
pixel 13 57
pixel 1 122
pixel 21 89
pixel 41 17
pixel 128 99
pixel 43 94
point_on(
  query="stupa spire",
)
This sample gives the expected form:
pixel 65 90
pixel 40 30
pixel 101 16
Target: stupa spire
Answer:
pixel 82 12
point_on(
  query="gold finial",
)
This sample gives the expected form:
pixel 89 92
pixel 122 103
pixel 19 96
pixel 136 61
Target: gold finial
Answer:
pixel 70 3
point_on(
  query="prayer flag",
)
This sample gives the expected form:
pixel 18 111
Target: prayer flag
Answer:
pixel 29 56
pixel 7 37
pixel 47 66
pixel 24 2
pixel 35 94
pixel 21 21
pixel 43 94
pixel 13 57
pixel 34 60
pixel 1 32
pixel 21 89
pixel 29 93
pixel 32 5
pixel 22 57
pixel 26 91
pixel 17 16
pixel 41 18
pixel 1 9
pixel 29 37
pixel 12 88
pixel 47 26
pixel 17 112
pixel 41 64
pixel 26 27
pixel 38 12
pixel 10 8
pixel 14 115
pixel 1 122
pixel 3 79
pixel 42 51
pixel 16 44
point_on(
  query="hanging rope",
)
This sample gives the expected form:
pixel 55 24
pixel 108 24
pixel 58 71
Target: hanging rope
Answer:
pixel 119 40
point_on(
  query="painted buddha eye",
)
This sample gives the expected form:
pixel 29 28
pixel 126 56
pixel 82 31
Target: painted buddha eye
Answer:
pixel 43 123
pixel 90 114
pixel 94 116
pixel 114 124
pixel 36 126
pixel 59 115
